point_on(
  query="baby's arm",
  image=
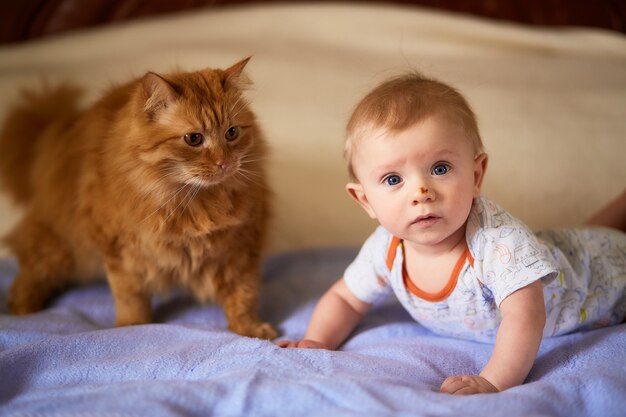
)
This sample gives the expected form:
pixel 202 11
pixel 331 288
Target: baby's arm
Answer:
pixel 334 318
pixel 517 343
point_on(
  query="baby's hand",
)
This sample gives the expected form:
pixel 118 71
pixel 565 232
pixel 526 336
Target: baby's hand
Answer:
pixel 467 384
pixel 306 344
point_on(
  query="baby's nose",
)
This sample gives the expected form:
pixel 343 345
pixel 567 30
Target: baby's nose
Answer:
pixel 421 195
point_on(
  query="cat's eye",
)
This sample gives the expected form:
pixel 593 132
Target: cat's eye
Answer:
pixel 194 139
pixel 232 133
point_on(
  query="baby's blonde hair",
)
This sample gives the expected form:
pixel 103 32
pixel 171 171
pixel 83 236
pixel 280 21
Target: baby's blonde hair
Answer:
pixel 401 102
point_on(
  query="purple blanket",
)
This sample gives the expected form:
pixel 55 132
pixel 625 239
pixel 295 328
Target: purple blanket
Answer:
pixel 68 360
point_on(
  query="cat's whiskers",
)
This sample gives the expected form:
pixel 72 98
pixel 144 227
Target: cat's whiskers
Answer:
pixel 157 184
pixel 241 178
pixel 248 175
pixel 197 189
pixel 189 192
pixel 166 174
pixel 252 157
pixel 250 172
pixel 247 160
pixel 176 193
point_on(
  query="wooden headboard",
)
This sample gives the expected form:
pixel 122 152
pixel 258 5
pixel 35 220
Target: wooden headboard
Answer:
pixel 23 20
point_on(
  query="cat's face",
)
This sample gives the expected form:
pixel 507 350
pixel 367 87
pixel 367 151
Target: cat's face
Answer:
pixel 200 130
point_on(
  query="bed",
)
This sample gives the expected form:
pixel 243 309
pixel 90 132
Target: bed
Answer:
pixel 551 105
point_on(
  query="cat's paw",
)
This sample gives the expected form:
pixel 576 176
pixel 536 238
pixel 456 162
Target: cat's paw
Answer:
pixel 266 331
pixel 259 330
pixel 133 317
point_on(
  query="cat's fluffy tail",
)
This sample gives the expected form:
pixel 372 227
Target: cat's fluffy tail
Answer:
pixel 24 126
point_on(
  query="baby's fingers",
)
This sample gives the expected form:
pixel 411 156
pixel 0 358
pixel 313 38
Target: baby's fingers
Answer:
pixel 453 384
pixel 467 384
pixel 287 343
pixel 305 344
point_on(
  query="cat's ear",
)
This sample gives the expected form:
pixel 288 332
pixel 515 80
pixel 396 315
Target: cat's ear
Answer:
pixel 234 76
pixel 158 93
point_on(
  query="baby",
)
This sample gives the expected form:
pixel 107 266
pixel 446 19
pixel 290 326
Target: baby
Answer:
pixel 458 263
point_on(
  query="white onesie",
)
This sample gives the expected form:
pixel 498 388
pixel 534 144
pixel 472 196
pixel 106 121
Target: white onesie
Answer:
pixel 583 273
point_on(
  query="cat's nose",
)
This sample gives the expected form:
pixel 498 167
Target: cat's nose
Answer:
pixel 221 164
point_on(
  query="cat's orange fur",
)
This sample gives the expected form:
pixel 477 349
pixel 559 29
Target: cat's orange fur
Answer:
pixel 118 188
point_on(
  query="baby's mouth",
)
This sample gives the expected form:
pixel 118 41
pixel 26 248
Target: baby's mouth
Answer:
pixel 426 220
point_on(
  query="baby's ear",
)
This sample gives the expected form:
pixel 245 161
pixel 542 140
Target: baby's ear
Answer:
pixel 158 93
pixel 480 167
pixel 356 191
pixel 234 76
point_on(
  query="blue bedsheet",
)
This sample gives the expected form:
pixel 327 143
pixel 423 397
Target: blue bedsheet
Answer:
pixel 68 360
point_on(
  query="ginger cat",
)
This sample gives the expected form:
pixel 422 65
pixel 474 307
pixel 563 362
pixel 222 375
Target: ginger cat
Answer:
pixel 160 184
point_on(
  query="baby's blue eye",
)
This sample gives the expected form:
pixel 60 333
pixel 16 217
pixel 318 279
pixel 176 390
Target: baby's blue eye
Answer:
pixel 393 180
pixel 440 169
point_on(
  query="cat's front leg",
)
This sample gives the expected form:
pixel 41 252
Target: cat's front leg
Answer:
pixel 132 299
pixel 240 302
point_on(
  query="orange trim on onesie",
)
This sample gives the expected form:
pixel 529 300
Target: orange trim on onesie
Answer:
pixel 391 253
pixel 429 296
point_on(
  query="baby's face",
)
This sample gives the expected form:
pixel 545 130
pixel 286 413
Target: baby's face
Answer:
pixel 420 183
